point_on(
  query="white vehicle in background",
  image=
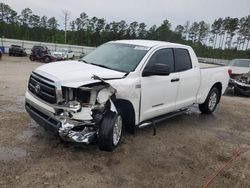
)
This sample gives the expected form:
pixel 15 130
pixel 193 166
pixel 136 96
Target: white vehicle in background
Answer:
pixel 240 66
pixel 122 84
pixel 63 54
pixel 240 76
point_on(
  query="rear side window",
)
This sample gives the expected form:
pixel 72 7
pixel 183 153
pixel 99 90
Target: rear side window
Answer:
pixel 182 60
pixel 163 56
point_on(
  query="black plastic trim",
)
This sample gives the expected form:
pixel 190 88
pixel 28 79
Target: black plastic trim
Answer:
pixel 42 119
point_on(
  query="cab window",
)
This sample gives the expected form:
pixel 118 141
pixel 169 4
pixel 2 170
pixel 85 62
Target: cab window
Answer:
pixel 182 60
pixel 162 56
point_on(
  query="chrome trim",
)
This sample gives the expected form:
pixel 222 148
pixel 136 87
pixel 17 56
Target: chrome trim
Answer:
pixel 239 83
pixel 144 124
pixel 74 108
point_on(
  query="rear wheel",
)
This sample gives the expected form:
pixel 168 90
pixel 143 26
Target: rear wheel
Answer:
pixel 110 131
pixel 211 101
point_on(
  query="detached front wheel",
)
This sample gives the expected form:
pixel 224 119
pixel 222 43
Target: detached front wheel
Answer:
pixel 110 131
pixel 211 101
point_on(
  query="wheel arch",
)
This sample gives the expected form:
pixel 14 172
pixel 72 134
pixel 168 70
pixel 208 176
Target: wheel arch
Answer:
pixel 218 85
pixel 127 111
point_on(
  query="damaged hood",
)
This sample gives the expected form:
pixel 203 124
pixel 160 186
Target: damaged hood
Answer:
pixel 75 73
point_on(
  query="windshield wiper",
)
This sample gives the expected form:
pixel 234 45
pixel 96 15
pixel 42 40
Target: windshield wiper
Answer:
pixel 94 64
pixel 83 61
pixel 103 66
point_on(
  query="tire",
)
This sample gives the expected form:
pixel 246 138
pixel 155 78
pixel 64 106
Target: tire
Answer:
pixel 110 131
pixel 32 58
pixel 211 101
pixel 9 54
pixel 46 60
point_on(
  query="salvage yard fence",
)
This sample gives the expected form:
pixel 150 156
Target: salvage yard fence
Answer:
pixel 6 43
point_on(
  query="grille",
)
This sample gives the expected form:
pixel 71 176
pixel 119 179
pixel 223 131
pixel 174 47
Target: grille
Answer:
pixel 42 89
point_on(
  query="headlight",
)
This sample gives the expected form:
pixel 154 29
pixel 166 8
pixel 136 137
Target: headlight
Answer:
pixel 103 95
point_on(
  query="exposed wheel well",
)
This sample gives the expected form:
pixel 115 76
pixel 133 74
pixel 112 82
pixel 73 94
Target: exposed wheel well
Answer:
pixel 126 109
pixel 218 85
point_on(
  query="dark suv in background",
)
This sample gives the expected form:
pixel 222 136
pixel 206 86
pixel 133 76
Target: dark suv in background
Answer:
pixel 16 50
pixel 41 53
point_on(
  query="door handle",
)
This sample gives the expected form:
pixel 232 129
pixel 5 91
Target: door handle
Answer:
pixel 175 80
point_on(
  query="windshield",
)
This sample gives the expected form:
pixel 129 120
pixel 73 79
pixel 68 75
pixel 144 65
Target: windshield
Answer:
pixel 240 63
pixel 117 56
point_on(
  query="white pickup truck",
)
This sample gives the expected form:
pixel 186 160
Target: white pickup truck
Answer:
pixel 63 54
pixel 122 84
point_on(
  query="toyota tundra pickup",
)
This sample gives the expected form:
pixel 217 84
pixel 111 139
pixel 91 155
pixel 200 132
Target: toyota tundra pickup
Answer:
pixel 124 84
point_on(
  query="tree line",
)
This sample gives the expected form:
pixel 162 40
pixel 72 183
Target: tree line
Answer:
pixel 220 34
pixel 224 38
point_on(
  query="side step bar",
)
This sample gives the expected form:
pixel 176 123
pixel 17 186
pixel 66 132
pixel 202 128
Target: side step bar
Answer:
pixel 162 118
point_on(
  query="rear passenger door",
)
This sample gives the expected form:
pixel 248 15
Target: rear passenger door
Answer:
pixel 189 78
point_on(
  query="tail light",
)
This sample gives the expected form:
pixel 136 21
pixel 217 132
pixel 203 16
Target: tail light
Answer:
pixel 230 72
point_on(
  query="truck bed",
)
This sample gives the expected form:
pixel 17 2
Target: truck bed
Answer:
pixel 211 73
pixel 206 65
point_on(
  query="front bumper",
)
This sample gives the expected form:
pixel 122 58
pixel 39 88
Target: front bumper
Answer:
pixel 50 119
pixel 43 120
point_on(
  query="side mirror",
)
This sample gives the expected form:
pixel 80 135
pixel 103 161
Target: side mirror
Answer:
pixel 157 69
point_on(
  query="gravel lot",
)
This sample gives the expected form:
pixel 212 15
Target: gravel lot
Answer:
pixel 186 151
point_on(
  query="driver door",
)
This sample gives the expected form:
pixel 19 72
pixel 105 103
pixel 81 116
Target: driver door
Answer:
pixel 159 93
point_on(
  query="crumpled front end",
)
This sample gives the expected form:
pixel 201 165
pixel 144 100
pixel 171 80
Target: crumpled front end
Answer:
pixel 73 113
pixel 240 83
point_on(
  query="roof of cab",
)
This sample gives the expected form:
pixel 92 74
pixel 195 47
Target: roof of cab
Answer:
pixel 149 43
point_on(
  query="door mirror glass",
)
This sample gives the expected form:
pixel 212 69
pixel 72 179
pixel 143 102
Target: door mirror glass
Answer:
pixel 157 69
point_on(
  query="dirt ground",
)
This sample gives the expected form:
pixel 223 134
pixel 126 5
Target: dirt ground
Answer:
pixel 186 151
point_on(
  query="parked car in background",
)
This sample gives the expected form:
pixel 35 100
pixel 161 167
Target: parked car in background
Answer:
pixel 41 53
pixel 127 83
pixel 1 54
pixel 240 76
pixel 63 54
pixel 16 50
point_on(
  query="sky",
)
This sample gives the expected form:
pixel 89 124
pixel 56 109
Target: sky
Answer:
pixel 148 11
